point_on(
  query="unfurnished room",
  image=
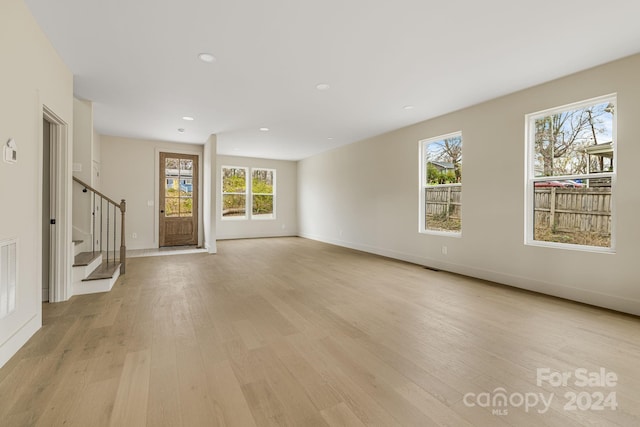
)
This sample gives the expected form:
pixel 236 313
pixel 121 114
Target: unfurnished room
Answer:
pixel 305 213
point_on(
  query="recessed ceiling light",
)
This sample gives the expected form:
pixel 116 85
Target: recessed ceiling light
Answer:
pixel 408 107
pixel 188 118
pixel 323 86
pixel 206 57
pixel 264 129
pixel 181 130
pixel 330 138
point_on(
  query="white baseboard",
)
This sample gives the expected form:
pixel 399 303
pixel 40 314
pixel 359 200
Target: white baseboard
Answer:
pixel 256 236
pixel 613 302
pixel 20 338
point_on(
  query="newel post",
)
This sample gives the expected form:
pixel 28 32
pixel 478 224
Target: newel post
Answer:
pixel 123 245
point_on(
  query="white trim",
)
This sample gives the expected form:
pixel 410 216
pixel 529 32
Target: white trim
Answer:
pixel 599 299
pixel 61 286
pixel 421 186
pixel 247 177
pixel 272 217
pixel 16 279
pixel 15 342
pixel 530 178
pixel 248 216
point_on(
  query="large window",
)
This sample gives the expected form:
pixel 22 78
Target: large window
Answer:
pixel 243 198
pixel 571 167
pixel 441 184
pixel 234 192
pixel 263 191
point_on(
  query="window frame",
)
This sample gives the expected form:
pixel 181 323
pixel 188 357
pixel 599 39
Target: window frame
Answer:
pixel 530 179
pixel 272 194
pixel 422 186
pixel 248 193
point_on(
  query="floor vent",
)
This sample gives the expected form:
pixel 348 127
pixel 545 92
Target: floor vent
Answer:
pixel 8 265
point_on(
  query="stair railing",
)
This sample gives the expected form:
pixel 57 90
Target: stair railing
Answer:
pixel 98 202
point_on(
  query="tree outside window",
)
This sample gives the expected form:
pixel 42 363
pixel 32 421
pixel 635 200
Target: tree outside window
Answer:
pixel 441 184
pixel 248 199
pixel 570 175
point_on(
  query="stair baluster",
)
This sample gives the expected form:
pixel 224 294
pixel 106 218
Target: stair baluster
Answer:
pixel 111 224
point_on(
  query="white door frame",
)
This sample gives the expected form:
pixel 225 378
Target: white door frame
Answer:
pixel 61 241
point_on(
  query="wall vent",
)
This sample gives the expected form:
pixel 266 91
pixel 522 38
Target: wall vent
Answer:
pixel 8 268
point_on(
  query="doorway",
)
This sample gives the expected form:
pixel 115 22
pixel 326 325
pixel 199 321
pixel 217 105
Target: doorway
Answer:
pixel 178 199
pixel 55 201
pixel 49 206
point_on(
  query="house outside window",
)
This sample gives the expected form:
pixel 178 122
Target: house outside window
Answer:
pixel 441 185
pixel 571 169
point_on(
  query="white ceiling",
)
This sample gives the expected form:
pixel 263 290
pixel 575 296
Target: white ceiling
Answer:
pixel 137 61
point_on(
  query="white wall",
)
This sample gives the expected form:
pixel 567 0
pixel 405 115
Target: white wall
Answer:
pixel 365 195
pixel 82 162
pixel 96 146
pixel 32 75
pixel 209 186
pixel 82 139
pixel 130 172
pixel 286 221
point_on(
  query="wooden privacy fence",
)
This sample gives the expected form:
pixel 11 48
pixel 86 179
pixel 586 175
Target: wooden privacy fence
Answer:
pixel 443 201
pixel 574 209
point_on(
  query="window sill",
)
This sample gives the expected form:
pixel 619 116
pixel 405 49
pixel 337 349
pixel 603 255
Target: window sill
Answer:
pixel 570 247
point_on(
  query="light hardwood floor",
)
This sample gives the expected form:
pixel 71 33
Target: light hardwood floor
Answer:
pixel 291 332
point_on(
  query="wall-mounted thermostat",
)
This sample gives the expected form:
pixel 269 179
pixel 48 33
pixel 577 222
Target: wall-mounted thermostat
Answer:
pixel 10 151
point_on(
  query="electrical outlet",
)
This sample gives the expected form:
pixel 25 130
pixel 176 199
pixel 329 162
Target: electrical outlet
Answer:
pixel 444 250
pixel 134 235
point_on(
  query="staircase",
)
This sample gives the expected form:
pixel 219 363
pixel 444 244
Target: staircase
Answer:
pixel 97 266
pixel 91 274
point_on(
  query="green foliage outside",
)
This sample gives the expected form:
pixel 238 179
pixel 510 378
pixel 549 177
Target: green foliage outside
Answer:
pixel 234 184
pixel 234 181
pixel 262 188
pixel 176 205
pixel 262 204
pixel 233 204
pixel 435 176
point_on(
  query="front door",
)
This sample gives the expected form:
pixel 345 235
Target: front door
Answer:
pixel 178 199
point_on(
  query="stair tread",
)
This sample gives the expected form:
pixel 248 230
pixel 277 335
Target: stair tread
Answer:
pixel 85 258
pixel 104 271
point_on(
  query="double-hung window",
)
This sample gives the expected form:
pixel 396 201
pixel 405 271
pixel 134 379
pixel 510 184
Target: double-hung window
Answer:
pixel 441 185
pixel 571 170
pixel 262 193
pixel 244 198
pixel 234 192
